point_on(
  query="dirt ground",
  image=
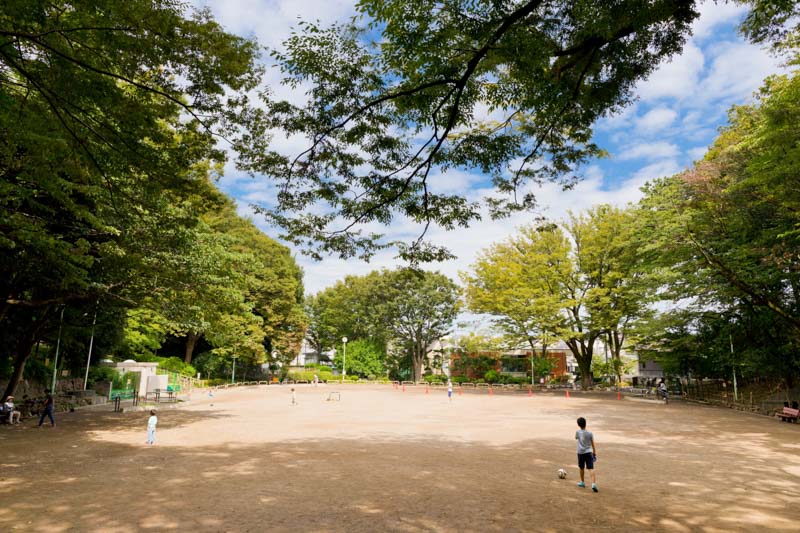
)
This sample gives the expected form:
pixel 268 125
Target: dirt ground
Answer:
pixel 385 460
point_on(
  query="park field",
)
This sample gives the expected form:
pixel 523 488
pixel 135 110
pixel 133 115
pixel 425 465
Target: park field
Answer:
pixel 386 460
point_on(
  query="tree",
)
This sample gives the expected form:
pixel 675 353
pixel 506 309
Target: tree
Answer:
pixel 521 283
pixel 421 308
pixel 727 231
pixel 107 113
pixel 396 97
pixel 610 257
pixel 354 308
pixel 575 282
pixel 364 359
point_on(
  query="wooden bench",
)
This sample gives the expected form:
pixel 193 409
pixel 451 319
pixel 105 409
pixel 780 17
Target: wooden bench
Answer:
pixel 788 414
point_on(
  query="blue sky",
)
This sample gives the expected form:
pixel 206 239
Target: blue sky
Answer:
pixel 676 116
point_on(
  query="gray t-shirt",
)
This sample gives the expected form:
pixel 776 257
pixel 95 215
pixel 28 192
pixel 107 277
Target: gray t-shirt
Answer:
pixel 584 439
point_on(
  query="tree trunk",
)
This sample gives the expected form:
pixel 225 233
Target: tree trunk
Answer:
pixel 416 358
pixel 23 349
pixel 583 355
pixel 191 341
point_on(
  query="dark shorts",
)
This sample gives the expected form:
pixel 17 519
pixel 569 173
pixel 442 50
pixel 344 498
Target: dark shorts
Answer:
pixel 585 461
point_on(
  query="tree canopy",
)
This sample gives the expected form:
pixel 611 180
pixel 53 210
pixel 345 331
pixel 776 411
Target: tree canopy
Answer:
pixel 726 233
pixel 409 89
pixel 397 314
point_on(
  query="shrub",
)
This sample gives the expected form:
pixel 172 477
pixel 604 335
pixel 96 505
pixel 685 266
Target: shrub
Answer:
pixel 460 379
pixel 173 364
pixel 300 375
pixel 492 376
pixel 102 373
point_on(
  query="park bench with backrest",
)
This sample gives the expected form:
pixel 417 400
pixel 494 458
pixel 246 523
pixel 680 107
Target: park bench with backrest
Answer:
pixel 788 414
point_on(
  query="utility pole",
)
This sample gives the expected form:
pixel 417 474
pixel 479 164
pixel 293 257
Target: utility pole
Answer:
pixel 89 357
pixel 58 348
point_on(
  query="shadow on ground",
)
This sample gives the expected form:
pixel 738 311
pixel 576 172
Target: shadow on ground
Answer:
pixel 700 476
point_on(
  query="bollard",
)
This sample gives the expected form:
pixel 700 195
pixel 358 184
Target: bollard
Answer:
pixel 491 390
pixel 404 387
pixel 567 391
pixel 426 389
pixel 619 396
pixel 530 391
pixel 460 390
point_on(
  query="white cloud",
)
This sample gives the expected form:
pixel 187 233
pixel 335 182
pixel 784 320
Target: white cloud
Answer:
pixel 697 153
pixel 621 118
pixel 714 14
pixel 667 167
pixel 654 150
pixel 270 21
pixel 656 120
pixel 677 78
pixel 737 70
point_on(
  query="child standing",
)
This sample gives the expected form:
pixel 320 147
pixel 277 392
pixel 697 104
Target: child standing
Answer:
pixel 152 422
pixel 587 454
pixel 450 390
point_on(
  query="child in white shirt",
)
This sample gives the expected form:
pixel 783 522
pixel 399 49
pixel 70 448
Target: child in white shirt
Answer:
pixel 151 427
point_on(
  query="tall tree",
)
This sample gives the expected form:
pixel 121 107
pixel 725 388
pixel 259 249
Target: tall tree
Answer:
pixel 421 308
pixel 728 228
pixel 521 283
pixel 107 111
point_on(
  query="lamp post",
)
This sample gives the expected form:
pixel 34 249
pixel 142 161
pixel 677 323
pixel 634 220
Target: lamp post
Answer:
pixel 233 372
pixel 344 358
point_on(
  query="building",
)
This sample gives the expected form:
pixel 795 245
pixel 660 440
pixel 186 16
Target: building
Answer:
pixel 307 356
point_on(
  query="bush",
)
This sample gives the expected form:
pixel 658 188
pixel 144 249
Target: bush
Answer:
pixel 460 379
pixel 102 373
pixel 125 381
pixel 300 375
pixel 173 364
pixel 492 376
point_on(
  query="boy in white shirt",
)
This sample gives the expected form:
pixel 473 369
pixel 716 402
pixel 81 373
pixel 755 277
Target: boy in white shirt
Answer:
pixel 587 454
pixel 152 422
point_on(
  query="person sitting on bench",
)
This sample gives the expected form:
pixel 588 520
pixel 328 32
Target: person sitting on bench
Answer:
pixel 8 408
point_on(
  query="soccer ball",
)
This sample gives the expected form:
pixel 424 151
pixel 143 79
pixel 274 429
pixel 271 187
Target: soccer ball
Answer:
pixel 562 474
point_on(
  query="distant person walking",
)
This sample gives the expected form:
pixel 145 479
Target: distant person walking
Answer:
pixel 152 422
pixel 47 410
pixel 587 454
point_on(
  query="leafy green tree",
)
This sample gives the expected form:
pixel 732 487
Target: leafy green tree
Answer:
pixel 576 282
pixel 355 308
pixel 727 233
pixel 421 307
pixel 522 283
pixel 364 359
pixel 108 112
pixel 395 97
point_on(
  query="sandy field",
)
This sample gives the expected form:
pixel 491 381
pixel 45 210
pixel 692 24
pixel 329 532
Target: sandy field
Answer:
pixel 386 460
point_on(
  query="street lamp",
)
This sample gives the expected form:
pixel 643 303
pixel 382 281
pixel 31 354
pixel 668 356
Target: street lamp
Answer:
pixel 344 358
pixel 233 372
